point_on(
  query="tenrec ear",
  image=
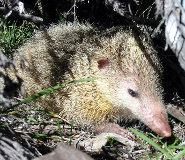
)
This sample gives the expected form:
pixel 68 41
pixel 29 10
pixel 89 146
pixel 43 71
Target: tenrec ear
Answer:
pixel 102 63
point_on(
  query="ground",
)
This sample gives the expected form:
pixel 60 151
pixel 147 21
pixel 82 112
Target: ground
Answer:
pixel 41 131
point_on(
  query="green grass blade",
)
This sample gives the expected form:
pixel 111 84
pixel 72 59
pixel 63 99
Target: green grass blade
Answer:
pixel 151 142
pixel 59 128
pixel 49 90
pixel 176 147
pixel 32 118
pixel 82 80
pixel 167 148
pixel 70 138
pixel 181 154
pixel 38 135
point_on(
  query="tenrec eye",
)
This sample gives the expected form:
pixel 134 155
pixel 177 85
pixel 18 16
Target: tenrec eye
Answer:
pixel 133 93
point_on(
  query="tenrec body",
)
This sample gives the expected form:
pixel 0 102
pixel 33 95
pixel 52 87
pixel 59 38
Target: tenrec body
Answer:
pixel 128 84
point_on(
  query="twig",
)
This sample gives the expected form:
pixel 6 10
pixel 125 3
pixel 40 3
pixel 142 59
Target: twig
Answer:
pixel 35 19
pixel 74 6
pixel 6 16
pixel 74 10
pixel 121 10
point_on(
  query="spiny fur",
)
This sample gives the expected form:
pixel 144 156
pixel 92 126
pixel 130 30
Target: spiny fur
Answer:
pixel 68 52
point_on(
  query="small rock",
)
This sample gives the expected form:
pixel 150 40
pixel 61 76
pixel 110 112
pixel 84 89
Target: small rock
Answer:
pixel 65 152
